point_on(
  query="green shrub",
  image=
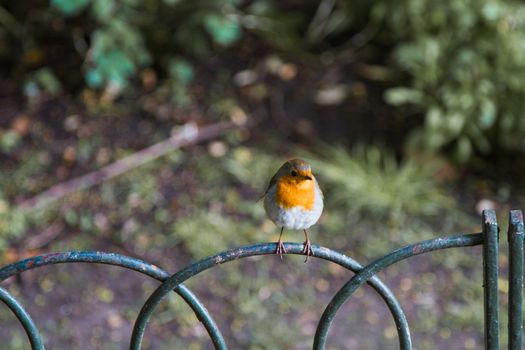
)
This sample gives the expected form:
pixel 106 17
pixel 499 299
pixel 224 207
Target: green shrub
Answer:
pixel 462 61
pixel 371 181
pixel 466 63
pixel 119 43
pixel 462 65
pixel 117 39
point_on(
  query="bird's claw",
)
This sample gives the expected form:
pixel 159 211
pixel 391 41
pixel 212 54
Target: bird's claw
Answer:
pixel 307 249
pixel 280 249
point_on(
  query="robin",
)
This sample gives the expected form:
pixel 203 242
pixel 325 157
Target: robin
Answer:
pixel 293 200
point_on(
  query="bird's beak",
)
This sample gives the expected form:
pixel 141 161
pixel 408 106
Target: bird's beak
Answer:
pixel 308 177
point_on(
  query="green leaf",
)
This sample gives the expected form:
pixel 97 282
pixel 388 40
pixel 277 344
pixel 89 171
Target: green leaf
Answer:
pixel 455 123
pixel 69 7
pixel 47 80
pixel 86 222
pixel 8 141
pixel 40 80
pixel 103 9
pixel 31 88
pixel 492 10
pixel 94 78
pixel 223 29
pixel 464 149
pixel 488 114
pixel 181 70
pixel 71 217
pixel 401 95
pixel 113 66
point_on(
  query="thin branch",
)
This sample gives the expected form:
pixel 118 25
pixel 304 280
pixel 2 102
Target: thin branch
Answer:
pixel 317 26
pixel 9 22
pixel 44 237
pixel 188 135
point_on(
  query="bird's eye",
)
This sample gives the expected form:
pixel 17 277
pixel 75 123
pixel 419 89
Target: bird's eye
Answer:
pixel 293 173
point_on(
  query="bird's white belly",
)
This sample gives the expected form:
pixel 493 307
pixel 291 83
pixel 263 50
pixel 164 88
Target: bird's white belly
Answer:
pixel 295 218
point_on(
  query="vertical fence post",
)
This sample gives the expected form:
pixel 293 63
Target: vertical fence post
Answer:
pixel 490 279
pixel 515 237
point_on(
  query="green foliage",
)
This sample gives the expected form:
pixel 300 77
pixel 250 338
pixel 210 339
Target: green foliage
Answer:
pixel 129 35
pixel 251 167
pixel 462 65
pixel 283 29
pixel 181 70
pixel 117 39
pixel 70 7
pixel 466 62
pixel 16 221
pixel 13 223
pixel 371 180
pixel 118 45
pixel 42 79
pixel 181 74
pixel 8 141
pixel 214 231
pixel 224 30
pixel 462 60
pixel 191 204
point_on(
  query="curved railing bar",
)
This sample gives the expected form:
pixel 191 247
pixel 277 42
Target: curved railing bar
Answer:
pixel 266 249
pixel 24 318
pixel 463 240
pixel 122 261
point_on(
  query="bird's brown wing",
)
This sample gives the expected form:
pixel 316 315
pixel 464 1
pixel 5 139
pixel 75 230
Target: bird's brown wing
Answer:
pixel 273 181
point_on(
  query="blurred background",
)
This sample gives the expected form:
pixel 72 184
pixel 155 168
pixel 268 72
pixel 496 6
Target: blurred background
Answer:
pixel 410 112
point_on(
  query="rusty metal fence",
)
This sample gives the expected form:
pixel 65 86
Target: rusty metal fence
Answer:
pixel 488 238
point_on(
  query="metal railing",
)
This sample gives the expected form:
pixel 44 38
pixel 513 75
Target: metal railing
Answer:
pixel 488 238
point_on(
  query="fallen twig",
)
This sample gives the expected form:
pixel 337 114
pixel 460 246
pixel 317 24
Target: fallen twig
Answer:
pixel 43 238
pixel 189 134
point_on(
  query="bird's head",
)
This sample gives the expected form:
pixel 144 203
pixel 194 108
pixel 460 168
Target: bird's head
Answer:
pixel 296 172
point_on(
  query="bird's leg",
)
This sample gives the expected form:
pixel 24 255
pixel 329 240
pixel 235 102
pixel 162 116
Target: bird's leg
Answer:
pixel 307 250
pixel 280 246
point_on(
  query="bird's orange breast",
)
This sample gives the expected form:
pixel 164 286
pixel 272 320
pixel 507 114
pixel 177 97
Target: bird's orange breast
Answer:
pixel 293 192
